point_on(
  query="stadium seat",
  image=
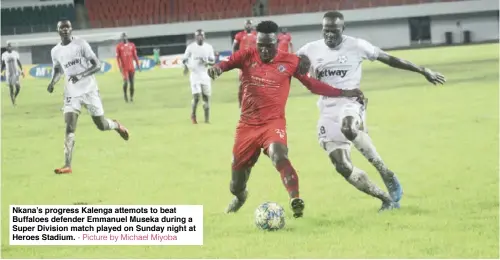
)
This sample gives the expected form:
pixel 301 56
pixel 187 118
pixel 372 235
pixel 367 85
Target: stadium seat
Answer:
pixel 108 13
pixel 35 19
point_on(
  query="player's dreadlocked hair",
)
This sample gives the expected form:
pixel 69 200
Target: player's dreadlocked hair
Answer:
pixel 334 15
pixel 267 27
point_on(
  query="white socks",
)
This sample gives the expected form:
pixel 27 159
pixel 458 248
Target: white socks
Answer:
pixel 69 143
pixel 111 124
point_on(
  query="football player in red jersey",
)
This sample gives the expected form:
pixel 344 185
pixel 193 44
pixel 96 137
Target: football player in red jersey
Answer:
pixel 244 40
pixel 126 54
pixel 285 41
pixel 266 74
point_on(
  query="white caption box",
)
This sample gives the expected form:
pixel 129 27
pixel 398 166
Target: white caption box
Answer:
pixel 106 225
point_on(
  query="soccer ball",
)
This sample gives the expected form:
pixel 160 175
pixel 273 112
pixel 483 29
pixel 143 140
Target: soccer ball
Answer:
pixel 270 216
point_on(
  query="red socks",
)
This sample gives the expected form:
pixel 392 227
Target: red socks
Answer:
pixel 289 178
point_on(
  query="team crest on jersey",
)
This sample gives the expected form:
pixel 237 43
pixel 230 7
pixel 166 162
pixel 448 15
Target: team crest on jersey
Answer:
pixel 281 68
pixel 342 59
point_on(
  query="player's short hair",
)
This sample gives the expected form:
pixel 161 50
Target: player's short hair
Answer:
pixel 199 32
pixel 267 27
pixel 248 21
pixel 334 15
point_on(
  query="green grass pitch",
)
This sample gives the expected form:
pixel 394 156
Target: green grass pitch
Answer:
pixel 441 141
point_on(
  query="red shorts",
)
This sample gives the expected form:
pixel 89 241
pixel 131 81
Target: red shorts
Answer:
pixel 249 140
pixel 127 72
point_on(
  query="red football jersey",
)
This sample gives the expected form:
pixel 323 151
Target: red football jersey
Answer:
pixel 126 53
pixel 266 86
pixel 284 40
pixel 246 40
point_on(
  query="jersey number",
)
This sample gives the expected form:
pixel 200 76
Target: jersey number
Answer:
pixel 322 130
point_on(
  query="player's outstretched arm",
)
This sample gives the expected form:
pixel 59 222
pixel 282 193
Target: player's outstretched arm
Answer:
pixel 431 76
pixel 236 60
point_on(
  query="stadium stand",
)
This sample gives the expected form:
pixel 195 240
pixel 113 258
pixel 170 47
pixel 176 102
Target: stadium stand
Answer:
pixel 130 12
pixel 118 13
pixel 34 19
pixel 109 13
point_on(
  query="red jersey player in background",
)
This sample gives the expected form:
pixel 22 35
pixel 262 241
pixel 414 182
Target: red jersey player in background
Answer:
pixel 285 41
pixel 244 40
pixel 126 54
pixel 266 76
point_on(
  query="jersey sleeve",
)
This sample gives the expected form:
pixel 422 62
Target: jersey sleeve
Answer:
pixel 88 53
pixel 187 53
pixel 55 62
pixel 237 38
pixel 236 60
pixel 368 51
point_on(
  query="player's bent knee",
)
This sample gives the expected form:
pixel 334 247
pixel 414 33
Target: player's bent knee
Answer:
pixel 342 165
pixel 348 128
pixel 345 169
pixel 278 153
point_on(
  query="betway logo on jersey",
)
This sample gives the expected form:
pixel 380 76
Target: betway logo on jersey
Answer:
pixel 331 73
pixel 72 63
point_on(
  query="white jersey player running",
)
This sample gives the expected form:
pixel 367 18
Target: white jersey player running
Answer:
pixel 336 60
pixel 79 64
pixel 197 56
pixel 13 68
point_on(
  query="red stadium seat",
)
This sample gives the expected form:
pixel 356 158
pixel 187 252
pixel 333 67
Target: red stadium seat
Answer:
pixel 109 13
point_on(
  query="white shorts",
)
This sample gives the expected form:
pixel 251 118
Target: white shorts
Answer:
pixel 12 79
pixel 91 100
pixel 201 87
pixel 330 136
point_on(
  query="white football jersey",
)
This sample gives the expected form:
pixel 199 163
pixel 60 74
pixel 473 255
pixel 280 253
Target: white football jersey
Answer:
pixel 197 56
pixel 340 66
pixel 73 59
pixel 10 59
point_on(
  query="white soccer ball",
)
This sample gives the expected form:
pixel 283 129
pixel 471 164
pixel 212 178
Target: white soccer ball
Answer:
pixel 270 216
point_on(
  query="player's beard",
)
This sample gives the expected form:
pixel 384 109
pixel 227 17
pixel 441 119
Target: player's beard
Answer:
pixel 333 41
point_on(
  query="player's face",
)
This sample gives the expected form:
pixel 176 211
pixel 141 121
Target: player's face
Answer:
pixel 267 46
pixel 124 38
pixel 65 29
pixel 9 48
pixel 248 27
pixel 199 39
pixel 332 31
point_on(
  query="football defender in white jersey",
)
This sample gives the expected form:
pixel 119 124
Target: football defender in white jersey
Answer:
pixel 198 56
pixel 74 57
pixel 336 60
pixel 13 67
